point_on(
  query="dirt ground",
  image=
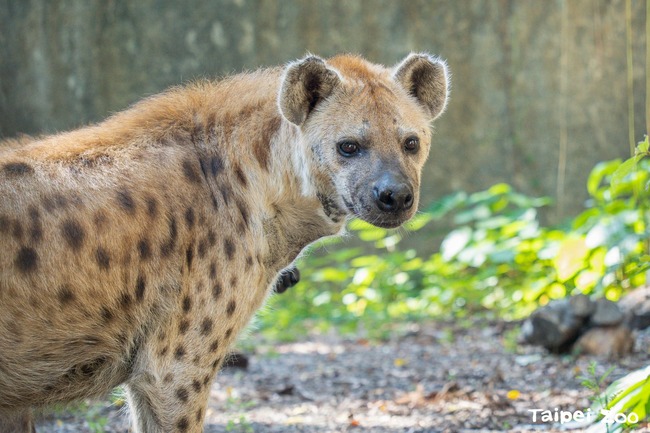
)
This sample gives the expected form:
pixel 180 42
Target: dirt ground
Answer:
pixel 433 378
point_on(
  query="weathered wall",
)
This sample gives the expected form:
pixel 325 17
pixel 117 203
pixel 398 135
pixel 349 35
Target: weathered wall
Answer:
pixel 67 63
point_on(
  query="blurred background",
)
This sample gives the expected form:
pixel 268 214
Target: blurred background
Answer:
pixel 542 90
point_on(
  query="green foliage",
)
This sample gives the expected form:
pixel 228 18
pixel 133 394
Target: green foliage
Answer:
pixel 498 258
pixel 624 403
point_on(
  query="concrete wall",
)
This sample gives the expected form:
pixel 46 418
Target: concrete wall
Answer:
pixel 527 75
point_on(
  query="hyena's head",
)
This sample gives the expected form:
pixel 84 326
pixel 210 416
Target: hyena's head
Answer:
pixel 367 130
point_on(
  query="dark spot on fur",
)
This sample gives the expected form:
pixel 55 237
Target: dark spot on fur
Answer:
pixel 125 200
pixel 17 169
pixel 26 260
pixel 206 380
pixel 179 352
pixel 232 305
pixel 262 148
pixel 213 270
pixel 125 300
pixel 216 291
pixel 60 201
pixel 107 314
pixel 202 248
pixel 199 411
pixel 189 217
pixel 73 234
pixel 183 326
pixel 103 258
pixel 164 351
pixel 249 262
pixel 182 424
pixel 36 228
pixel 5 224
pixel 196 385
pixel 228 333
pixel 204 166
pixel 17 230
pixel 190 172
pixel 229 248
pixel 189 256
pixel 144 249
pixel 214 345
pixel 182 394
pixel 212 238
pixel 233 281
pixel 243 210
pixel 206 326
pixel 65 295
pixel 152 206
pixel 139 288
pixel 216 363
pixel 241 177
pixel 168 378
pixel 48 204
pixel 216 165
pixel 100 219
pixel 226 192
pixel 168 246
pixel 187 304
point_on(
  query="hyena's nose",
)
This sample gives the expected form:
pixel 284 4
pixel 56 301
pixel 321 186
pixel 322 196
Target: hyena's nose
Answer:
pixel 393 196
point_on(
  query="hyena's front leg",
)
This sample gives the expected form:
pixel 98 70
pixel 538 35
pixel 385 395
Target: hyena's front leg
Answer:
pixel 175 402
pixel 171 391
pixel 17 423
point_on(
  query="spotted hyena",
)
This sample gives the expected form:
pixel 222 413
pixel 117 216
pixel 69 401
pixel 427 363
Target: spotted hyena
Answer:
pixel 134 251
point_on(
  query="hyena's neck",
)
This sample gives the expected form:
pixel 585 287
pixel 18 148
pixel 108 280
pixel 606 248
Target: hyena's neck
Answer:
pixel 297 212
pixel 257 164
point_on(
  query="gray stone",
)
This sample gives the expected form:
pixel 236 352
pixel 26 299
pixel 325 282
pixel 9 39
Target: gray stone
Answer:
pixel 553 326
pixel 636 307
pixel 582 306
pixel 606 313
pixel 607 341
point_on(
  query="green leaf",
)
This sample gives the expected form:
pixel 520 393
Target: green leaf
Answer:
pixel 455 242
pixel 623 171
pixel 643 146
pixel 598 174
pixel 571 258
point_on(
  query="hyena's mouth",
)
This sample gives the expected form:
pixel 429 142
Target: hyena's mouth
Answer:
pixel 372 215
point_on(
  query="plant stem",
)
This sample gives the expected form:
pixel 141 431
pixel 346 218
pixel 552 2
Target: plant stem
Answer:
pixel 647 66
pixel 630 75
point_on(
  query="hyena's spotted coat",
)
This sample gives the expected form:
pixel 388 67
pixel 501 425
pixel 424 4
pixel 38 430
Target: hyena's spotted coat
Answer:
pixel 135 250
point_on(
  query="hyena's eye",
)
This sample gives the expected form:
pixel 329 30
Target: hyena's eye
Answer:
pixel 412 144
pixel 348 148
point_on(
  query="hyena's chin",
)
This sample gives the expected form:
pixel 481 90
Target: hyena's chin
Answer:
pixel 374 216
pixel 385 222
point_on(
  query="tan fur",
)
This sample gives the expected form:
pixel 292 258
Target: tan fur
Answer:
pixel 135 250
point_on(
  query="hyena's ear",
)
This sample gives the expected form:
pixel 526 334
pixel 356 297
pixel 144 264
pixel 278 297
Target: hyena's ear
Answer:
pixel 427 79
pixel 305 83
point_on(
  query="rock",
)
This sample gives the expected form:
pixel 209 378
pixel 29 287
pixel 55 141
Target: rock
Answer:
pixel 636 307
pixel 582 306
pixel 606 313
pixel 607 341
pixel 553 326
